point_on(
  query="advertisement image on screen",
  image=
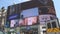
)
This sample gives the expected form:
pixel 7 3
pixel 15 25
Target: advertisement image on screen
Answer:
pixel 14 23
pixel 30 12
pixel 44 18
pixel 28 21
pixel 21 22
pixel 13 16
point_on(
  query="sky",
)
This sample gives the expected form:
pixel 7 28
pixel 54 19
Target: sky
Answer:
pixel 6 3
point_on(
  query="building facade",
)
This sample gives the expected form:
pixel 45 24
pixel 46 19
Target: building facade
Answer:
pixel 2 19
pixel 30 17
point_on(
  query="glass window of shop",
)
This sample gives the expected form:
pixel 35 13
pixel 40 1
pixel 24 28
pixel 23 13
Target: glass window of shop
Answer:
pixel 54 24
pixel 48 25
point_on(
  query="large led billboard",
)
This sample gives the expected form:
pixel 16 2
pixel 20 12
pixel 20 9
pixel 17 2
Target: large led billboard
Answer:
pixel 31 21
pixel 28 16
pixel 28 21
pixel 44 18
pixel 30 12
pixel 21 22
pixel 14 23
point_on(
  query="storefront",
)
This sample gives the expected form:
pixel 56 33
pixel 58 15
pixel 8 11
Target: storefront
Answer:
pixel 29 29
pixel 12 31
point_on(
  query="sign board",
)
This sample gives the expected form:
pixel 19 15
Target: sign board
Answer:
pixel 44 18
pixel 29 27
pixel 53 30
pixel 14 16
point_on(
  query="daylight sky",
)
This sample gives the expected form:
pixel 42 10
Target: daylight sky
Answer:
pixel 6 3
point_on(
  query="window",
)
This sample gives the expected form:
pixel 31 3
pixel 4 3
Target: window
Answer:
pixel 30 12
pixel 10 12
pixel 12 9
pixel 48 25
pixel 44 31
pixel 44 10
pixel 59 23
pixel 54 24
pixel 43 27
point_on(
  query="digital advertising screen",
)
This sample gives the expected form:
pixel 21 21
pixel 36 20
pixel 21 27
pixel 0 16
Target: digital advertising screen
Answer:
pixel 30 12
pixel 21 22
pixel 44 18
pixel 14 23
pixel 28 21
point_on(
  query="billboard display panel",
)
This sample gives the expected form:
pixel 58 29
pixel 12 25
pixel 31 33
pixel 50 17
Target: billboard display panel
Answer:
pixel 30 12
pixel 44 18
pixel 14 23
pixel 13 16
pixel 21 22
pixel 28 21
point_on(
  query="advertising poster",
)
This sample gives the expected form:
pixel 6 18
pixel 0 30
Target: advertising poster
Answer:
pixel 30 21
pixel 44 18
pixel 21 22
pixel 14 23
